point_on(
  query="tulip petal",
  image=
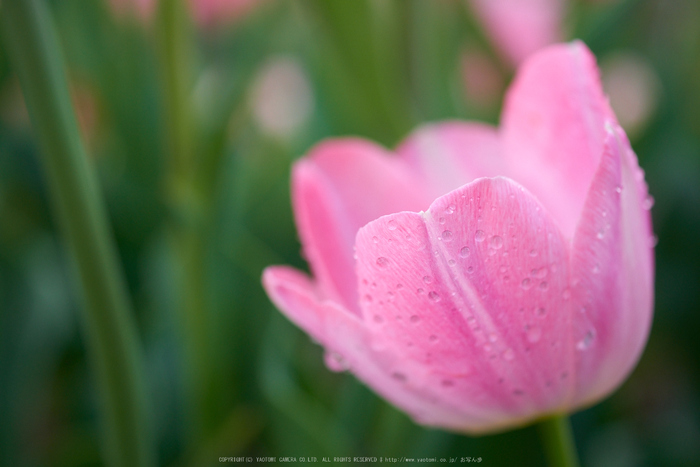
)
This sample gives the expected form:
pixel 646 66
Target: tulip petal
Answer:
pixel 449 155
pixel 346 340
pixel 553 127
pixel 340 187
pixel 612 272
pixel 472 293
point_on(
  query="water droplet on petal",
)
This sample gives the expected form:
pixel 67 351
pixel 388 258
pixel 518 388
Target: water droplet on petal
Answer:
pixel 378 319
pixel 648 202
pixel 533 334
pixel 470 270
pixel 427 279
pixel 382 262
pixel 450 209
pixel 434 296
pixel 618 189
pixel 335 361
pixel 433 338
pixel 451 262
pixel 399 286
pixel 600 235
pixel 496 242
pixel 526 283
pixel 540 311
pixel 464 252
pixel 368 298
pixel 398 376
pixel 441 220
pixel 414 318
pixel 419 290
pixel 480 236
pixel 533 253
pixel 653 241
pixel 392 225
pixel 508 355
pixel 447 236
pixel 587 341
pixel 544 285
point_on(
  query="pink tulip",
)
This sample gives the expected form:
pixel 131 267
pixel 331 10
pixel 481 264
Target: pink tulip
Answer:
pixel 498 275
pixel 520 27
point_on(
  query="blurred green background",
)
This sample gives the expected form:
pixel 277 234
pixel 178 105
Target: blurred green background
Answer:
pixel 196 225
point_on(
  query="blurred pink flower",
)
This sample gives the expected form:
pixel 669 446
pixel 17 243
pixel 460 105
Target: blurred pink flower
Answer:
pixel 483 81
pixel 524 289
pixel 520 27
pixel 212 12
pixel 207 13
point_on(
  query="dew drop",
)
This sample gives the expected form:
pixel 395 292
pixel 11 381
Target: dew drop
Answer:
pixel 526 283
pixel 451 262
pixel 600 235
pixel 419 290
pixel 441 220
pixel 653 241
pixel 433 338
pixel 398 376
pixel 450 209
pixel 618 189
pixel 496 242
pixel 382 262
pixel 368 298
pixel 470 270
pixel 508 355
pixel 464 252
pixel 378 319
pixel 480 236
pixel 540 311
pixel 544 285
pixel 399 286
pixel 447 236
pixel 648 202
pixel 414 318
pixel 533 334
pixel 335 361
pixel 587 341
pixel 427 279
pixel 392 225
pixel 533 253
pixel 434 296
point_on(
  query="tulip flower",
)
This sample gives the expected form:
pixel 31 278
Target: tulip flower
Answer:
pixel 520 27
pixel 481 278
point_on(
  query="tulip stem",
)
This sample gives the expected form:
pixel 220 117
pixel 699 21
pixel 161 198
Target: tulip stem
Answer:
pixel 110 333
pixel 558 440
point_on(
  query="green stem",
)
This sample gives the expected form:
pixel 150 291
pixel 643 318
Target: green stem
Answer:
pixel 190 208
pixel 558 440
pixel 111 337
